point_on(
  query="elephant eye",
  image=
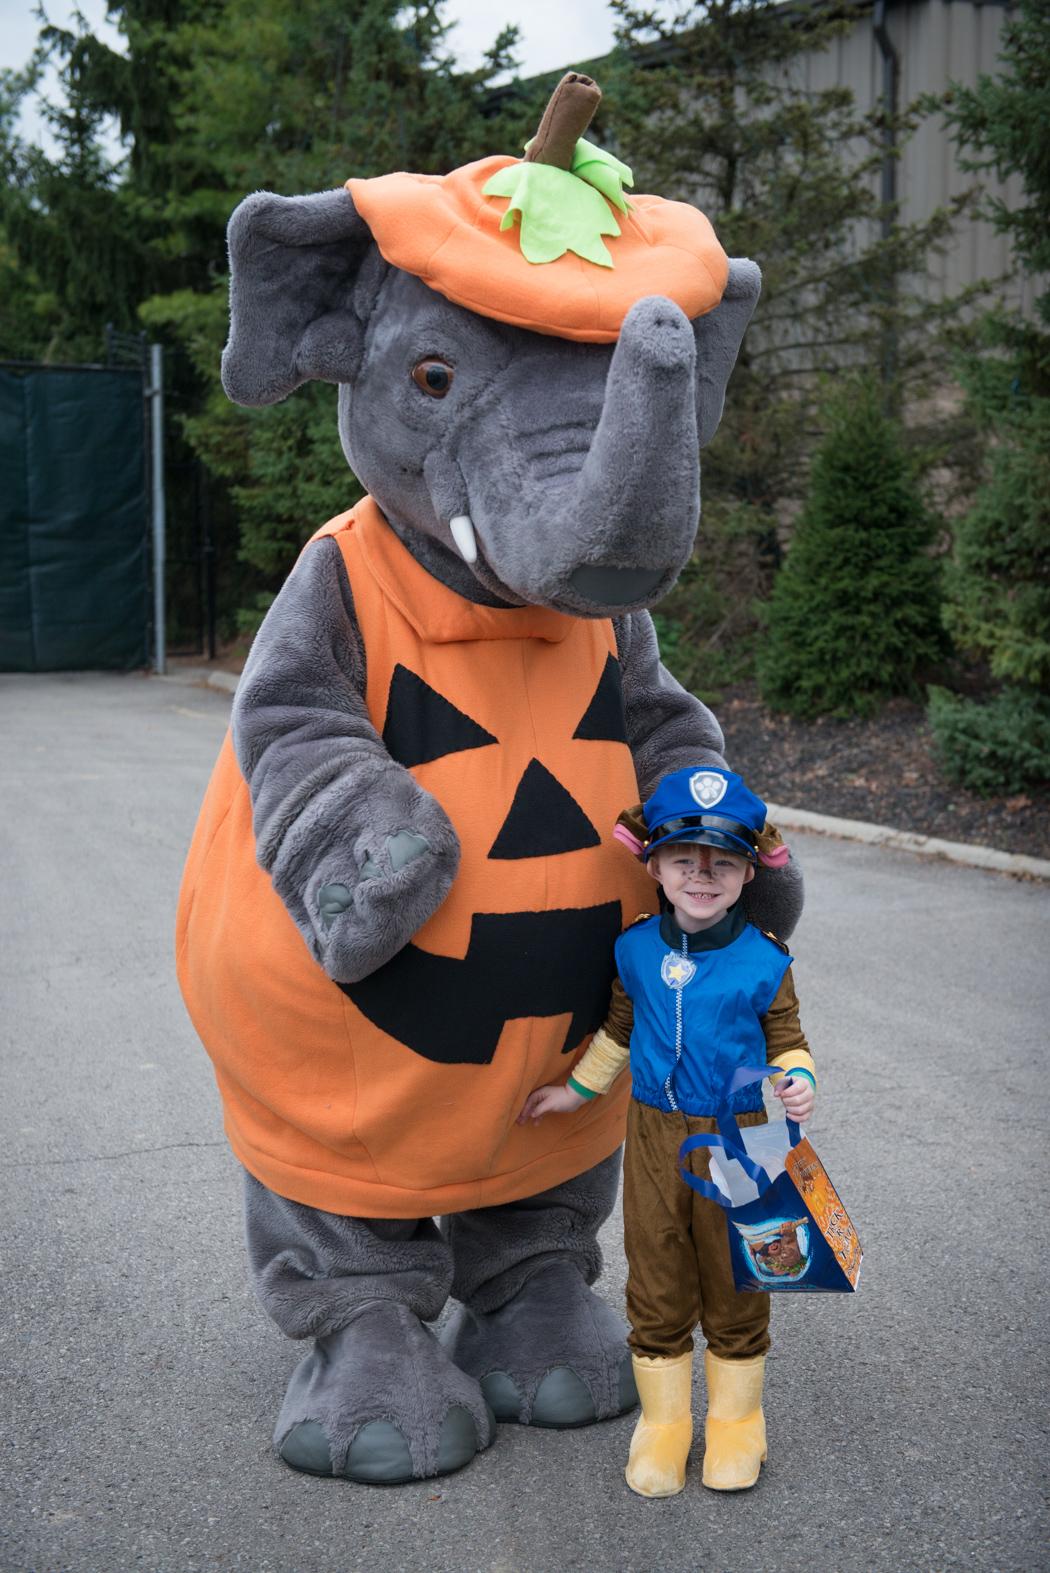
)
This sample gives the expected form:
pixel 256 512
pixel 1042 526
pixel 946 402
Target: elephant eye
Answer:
pixel 433 376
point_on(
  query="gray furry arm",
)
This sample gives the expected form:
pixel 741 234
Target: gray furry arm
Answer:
pixel 667 727
pixel 360 855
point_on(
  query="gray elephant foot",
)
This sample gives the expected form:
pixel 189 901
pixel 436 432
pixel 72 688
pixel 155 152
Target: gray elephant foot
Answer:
pixel 380 1402
pixel 554 1355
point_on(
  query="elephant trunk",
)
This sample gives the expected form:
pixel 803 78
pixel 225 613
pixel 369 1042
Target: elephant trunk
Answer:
pixel 637 499
pixel 609 489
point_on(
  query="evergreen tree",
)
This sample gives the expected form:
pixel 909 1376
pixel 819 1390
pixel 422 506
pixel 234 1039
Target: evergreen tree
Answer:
pixel 93 229
pixel 78 264
pixel 708 104
pixel 28 313
pixel 854 615
pixel 998 584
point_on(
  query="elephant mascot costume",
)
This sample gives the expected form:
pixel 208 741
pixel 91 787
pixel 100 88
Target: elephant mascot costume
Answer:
pixel 401 900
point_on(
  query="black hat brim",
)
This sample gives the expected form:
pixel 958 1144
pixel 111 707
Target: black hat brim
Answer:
pixel 705 836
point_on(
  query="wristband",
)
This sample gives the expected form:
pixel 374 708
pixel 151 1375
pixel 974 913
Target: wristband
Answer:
pixel 801 1071
pixel 584 1092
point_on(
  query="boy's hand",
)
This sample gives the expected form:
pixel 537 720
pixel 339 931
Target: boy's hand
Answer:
pixel 797 1096
pixel 550 1100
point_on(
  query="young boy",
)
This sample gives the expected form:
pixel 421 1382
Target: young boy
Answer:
pixel 700 991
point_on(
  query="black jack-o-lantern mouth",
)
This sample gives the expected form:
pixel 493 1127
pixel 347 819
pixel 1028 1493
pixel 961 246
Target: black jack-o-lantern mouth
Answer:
pixel 518 964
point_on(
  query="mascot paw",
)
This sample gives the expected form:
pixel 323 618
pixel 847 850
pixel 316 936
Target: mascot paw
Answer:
pixel 554 1355
pixel 401 849
pixel 362 916
pixel 380 1402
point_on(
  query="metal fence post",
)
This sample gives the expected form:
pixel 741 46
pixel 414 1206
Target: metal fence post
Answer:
pixel 156 398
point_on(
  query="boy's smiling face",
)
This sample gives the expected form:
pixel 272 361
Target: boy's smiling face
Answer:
pixel 700 882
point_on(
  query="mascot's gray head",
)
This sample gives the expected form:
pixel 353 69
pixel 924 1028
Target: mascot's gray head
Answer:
pixel 531 430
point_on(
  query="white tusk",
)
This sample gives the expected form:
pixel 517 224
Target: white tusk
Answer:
pixel 463 535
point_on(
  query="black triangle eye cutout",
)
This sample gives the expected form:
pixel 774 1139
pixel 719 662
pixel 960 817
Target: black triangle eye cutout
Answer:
pixel 603 720
pixel 421 725
pixel 543 820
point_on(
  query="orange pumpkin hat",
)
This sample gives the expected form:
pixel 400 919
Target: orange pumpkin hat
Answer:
pixel 465 243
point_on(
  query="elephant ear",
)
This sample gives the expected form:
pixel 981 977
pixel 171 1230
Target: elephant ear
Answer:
pixel 293 265
pixel 718 336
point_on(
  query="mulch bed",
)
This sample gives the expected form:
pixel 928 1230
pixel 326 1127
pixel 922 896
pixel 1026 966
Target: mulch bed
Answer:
pixel 883 770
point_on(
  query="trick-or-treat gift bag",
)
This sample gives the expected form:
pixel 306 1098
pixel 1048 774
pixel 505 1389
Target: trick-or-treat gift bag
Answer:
pixel 787 1227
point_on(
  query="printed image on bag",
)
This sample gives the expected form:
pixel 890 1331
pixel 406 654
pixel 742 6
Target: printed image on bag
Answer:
pixel 788 1229
pixel 778 1249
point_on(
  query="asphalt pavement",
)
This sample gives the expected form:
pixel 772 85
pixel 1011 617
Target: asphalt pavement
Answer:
pixel 907 1423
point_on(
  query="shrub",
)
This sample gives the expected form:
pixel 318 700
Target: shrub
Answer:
pixel 1002 745
pixel 998 611
pixel 999 580
pixel 855 610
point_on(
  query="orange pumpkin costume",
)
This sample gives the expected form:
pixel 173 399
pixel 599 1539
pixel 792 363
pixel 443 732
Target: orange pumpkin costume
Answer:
pixel 325 1101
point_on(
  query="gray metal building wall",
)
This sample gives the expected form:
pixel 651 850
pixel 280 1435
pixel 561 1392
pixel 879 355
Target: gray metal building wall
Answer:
pixel 937 41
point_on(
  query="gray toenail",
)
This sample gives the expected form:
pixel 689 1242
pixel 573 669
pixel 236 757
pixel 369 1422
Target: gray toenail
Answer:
pixel 458 1441
pixel 306 1448
pixel 379 1455
pixel 563 1400
pixel 502 1396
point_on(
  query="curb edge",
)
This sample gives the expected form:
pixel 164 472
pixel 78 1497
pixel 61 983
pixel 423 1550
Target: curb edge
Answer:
pixel 1019 864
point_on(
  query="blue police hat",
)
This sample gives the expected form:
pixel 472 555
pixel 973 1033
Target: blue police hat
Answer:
pixel 706 805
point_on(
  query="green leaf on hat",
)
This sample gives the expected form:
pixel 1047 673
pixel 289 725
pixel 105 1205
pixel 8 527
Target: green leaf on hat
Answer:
pixel 562 211
pixel 601 170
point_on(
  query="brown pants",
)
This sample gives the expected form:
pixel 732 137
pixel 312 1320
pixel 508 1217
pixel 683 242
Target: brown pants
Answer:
pixel 679 1271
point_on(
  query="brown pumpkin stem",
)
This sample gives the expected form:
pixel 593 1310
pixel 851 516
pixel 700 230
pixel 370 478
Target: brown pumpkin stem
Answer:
pixel 569 112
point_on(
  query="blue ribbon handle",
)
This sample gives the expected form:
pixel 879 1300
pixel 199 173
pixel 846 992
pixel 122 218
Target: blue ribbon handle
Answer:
pixel 731 1141
pixel 746 1076
pixel 707 1187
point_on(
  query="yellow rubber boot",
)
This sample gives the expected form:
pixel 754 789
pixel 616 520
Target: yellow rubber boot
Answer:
pixel 735 1433
pixel 662 1437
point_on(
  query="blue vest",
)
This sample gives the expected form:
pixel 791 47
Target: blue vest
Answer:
pixel 709 1001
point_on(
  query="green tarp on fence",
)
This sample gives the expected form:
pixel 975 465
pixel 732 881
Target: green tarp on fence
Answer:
pixel 73 520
